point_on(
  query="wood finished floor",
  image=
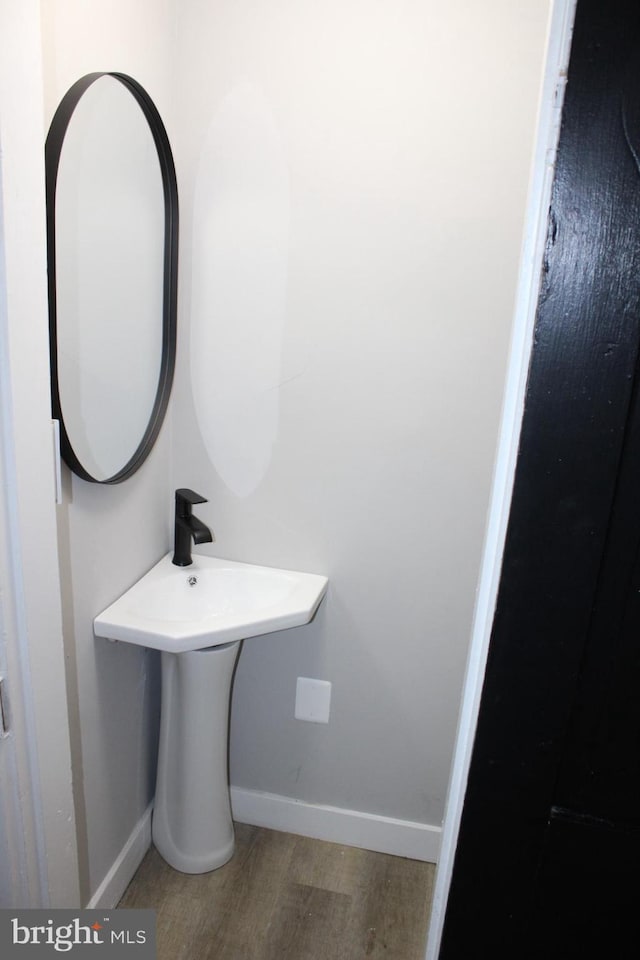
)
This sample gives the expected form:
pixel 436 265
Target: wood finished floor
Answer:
pixel 284 897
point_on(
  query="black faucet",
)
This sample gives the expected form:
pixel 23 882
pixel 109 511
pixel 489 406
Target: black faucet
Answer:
pixel 188 526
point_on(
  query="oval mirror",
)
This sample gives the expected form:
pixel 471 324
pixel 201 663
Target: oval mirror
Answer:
pixel 112 239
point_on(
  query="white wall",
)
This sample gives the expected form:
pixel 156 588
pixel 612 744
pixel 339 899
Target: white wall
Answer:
pixel 549 120
pixel 109 536
pixel 353 180
pixel 353 183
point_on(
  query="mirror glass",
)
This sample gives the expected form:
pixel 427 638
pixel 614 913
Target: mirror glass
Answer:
pixel 112 209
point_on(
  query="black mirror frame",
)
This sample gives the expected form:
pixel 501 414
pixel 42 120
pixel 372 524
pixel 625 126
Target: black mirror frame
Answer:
pixel 53 148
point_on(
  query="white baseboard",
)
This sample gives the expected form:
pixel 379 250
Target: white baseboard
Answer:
pixel 124 866
pixel 403 838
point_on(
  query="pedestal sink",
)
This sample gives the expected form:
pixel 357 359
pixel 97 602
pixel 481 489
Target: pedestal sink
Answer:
pixel 197 616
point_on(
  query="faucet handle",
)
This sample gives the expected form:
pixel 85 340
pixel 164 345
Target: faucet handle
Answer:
pixel 185 498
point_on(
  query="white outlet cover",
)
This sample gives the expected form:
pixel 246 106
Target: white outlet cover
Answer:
pixel 313 700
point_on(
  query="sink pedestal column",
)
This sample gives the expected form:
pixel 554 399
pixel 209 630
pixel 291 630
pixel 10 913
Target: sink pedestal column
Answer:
pixel 192 827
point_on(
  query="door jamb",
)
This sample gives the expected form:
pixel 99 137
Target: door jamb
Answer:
pixel 31 566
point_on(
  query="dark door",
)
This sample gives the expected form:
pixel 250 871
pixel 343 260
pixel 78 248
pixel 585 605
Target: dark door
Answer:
pixel 548 859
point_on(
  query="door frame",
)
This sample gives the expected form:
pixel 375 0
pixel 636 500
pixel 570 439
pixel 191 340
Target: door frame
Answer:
pixel 30 571
pixel 560 30
pixel 21 840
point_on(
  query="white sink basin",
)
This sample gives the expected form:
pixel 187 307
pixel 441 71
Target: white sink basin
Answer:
pixel 211 602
